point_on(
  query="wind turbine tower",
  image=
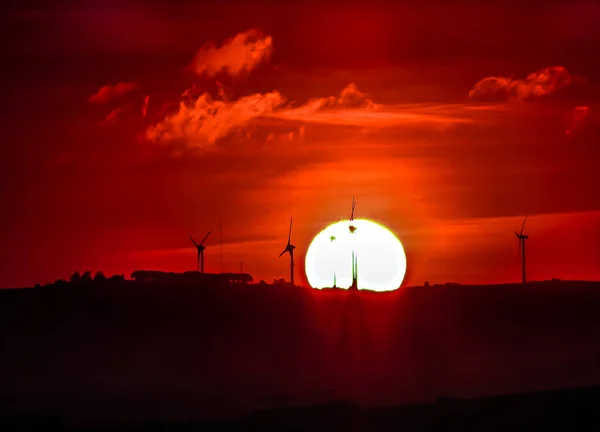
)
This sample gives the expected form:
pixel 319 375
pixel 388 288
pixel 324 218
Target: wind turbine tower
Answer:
pixel 290 249
pixel 352 229
pixel 522 239
pixel 200 248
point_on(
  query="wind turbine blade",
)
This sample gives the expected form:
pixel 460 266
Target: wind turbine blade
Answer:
pixel 284 251
pixel 290 233
pixel 193 241
pixel 205 237
pixel 523 226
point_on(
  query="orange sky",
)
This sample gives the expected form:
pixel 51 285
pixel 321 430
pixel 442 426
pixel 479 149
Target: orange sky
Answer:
pixel 130 125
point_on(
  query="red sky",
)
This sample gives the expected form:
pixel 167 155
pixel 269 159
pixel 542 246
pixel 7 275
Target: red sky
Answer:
pixel 290 108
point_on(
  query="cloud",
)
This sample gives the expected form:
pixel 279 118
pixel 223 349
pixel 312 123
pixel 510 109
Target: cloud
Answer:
pixel 228 246
pixel 200 124
pixel 109 92
pixel 581 118
pixel 115 115
pixel 221 91
pixel 145 106
pixel 349 97
pixel 354 108
pixel 192 93
pixel 537 84
pixel 387 116
pixel 238 55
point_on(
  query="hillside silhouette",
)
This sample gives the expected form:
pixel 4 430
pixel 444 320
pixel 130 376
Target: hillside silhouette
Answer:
pixel 103 350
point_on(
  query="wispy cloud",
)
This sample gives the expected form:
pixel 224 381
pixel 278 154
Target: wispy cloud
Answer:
pixel 228 246
pixel 581 118
pixel 110 92
pixel 354 108
pixel 385 116
pixel 145 106
pixel 115 115
pixel 238 55
pixel 349 97
pixel 535 85
pixel 202 123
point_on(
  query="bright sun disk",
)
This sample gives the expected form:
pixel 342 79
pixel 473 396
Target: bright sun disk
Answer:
pixel 381 261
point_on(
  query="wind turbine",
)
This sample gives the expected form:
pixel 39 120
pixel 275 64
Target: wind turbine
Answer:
pixel 332 239
pixel 290 249
pixel 522 239
pixel 200 247
pixel 352 229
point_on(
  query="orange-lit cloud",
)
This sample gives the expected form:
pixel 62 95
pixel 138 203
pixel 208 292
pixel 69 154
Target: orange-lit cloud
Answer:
pixel 201 123
pixel 579 117
pixel 354 108
pixel 145 106
pixel 349 97
pixel 114 116
pixel 221 91
pixel 238 55
pixel 537 84
pixel 385 116
pixel 110 92
pixel 192 93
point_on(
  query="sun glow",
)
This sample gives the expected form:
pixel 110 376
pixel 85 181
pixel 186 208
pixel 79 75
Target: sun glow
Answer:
pixel 381 261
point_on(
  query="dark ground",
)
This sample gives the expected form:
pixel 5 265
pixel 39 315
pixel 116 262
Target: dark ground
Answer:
pixel 124 353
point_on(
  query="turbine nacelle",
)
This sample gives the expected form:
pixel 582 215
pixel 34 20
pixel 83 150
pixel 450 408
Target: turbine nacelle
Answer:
pixel 289 248
pixel 520 234
pixel 200 246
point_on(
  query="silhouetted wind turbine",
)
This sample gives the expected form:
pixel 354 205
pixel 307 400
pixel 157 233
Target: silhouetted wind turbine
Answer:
pixel 332 239
pixel 290 249
pixel 352 229
pixel 200 247
pixel 522 239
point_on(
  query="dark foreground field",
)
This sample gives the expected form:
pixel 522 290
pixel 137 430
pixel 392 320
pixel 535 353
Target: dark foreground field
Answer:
pixel 571 409
pixel 124 353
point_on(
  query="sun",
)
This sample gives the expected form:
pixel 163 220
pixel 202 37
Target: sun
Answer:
pixel 380 257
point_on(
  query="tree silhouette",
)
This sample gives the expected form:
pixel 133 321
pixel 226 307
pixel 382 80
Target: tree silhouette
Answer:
pixel 75 277
pixel 99 277
pixel 86 277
